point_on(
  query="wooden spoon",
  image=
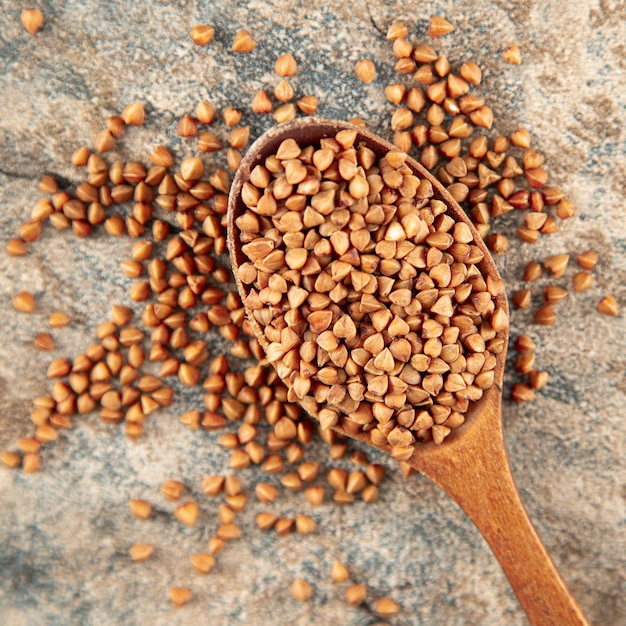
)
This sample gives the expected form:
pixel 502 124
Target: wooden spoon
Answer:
pixel 471 464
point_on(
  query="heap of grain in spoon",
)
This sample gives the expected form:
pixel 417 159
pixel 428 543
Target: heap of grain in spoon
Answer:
pixel 368 292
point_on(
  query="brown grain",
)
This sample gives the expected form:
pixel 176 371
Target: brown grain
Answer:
pixel 141 509
pixel 386 607
pixel 608 306
pixel 16 247
pixel 261 103
pixel 24 302
pixel 522 393
pixel 141 552
pixel 202 34
pixel 187 513
pixel 134 114
pixel 557 264
pixel 58 319
pixel 544 316
pixel 339 572
pixel 397 30
pixel 172 489
pixel 44 342
pixel 202 562
pixel 243 42
pixel 365 71
pixel 581 281
pixel 180 596
pixel 587 260
pixel 12 460
pixel 32 20
pixel 285 65
pixel 355 594
pixel 439 26
pixel 187 126
pixel 511 54
pixel 301 590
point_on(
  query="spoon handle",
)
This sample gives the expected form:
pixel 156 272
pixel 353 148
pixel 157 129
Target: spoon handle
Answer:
pixel 475 472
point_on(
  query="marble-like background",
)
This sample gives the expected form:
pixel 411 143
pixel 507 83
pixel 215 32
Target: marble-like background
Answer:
pixel 65 532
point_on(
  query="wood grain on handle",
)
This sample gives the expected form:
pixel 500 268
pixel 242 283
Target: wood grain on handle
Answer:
pixel 477 476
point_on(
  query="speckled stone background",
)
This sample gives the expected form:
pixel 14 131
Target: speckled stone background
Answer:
pixel 65 532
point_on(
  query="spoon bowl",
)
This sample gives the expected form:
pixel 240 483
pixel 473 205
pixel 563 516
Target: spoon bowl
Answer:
pixel 471 463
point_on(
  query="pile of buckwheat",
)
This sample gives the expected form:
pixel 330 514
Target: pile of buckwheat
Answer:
pixel 367 292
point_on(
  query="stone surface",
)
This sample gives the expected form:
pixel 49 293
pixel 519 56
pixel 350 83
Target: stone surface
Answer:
pixel 65 532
